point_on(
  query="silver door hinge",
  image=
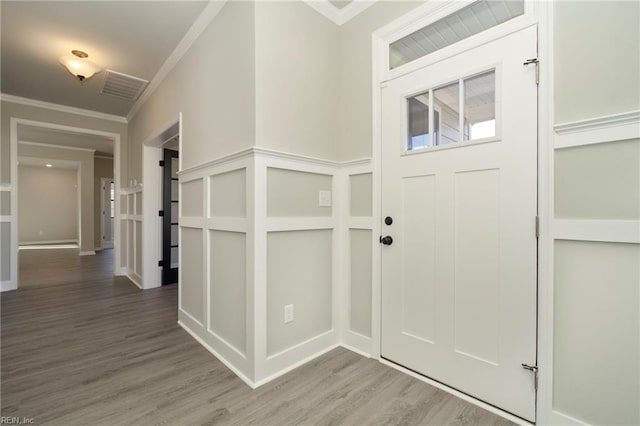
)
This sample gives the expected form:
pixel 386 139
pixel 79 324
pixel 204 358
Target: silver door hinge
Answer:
pixel 534 370
pixel 535 62
pixel 537 226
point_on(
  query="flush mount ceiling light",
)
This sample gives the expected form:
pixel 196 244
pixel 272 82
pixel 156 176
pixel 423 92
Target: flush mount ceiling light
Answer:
pixel 79 66
pixel 49 165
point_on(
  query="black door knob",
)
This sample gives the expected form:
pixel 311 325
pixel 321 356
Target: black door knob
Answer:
pixel 387 241
pixel 388 220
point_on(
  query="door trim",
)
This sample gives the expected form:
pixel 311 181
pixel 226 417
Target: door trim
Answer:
pixel 152 200
pixel 537 12
pixel 12 284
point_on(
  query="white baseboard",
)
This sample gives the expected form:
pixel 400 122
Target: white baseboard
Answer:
pixel 87 253
pixel 8 286
pixel 457 393
pixel 295 365
pixel 45 242
pixel 357 343
pixel 230 366
pixel 135 279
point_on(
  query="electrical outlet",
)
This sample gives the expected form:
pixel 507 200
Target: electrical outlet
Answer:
pixel 324 198
pixel 288 313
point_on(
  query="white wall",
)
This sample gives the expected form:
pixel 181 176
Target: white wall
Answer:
pixel 47 204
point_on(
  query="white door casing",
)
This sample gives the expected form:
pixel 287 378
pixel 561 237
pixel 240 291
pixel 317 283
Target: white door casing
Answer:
pixel 106 224
pixel 459 280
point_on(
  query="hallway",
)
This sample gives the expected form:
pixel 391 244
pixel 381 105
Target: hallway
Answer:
pixel 89 349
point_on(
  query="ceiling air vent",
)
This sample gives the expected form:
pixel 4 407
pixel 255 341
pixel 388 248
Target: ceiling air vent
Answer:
pixel 122 85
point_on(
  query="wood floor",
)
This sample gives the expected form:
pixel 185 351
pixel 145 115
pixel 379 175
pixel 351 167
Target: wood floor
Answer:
pixel 80 347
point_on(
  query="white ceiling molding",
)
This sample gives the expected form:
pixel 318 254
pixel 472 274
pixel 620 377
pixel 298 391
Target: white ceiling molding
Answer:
pixel 61 108
pixel 340 16
pixel 50 145
pixel 200 24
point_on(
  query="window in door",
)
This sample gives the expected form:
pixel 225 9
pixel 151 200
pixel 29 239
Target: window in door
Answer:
pixel 434 117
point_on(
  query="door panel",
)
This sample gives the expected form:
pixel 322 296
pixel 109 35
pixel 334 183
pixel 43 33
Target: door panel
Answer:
pixel 459 279
pixel 170 207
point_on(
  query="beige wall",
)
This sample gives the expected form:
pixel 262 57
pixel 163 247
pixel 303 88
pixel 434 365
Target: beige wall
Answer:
pixel 597 58
pixel 213 86
pixel 85 158
pixel 102 168
pixel 47 204
pixel 296 79
pixel 354 105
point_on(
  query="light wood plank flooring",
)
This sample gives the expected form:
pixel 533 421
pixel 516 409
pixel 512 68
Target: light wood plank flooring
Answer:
pixel 80 347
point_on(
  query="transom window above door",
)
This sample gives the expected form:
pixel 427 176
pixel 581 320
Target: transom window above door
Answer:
pixel 473 19
pixel 462 110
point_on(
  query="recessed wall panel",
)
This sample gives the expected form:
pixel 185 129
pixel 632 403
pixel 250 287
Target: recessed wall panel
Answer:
pixel 5 203
pixel 228 287
pixel 130 246
pixel 292 193
pixel 361 194
pixel 360 297
pixel 5 250
pixel 138 228
pixel 599 181
pixel 229 194
pixel 138 201
pixel 191 274
pixel 130 204
pixel 299 273
pixel 419 257
pixel 596 371
pixel 191 202
pixel 477 263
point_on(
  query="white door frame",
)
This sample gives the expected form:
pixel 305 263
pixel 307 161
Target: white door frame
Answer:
pixel 13 133
pixel 103 208
pixel 537 12
pixel 152 199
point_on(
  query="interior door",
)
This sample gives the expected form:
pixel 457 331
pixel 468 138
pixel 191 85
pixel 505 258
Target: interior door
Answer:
pixel 459 198
pixel 170 209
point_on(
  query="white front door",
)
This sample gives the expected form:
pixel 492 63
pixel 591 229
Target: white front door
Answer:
pixel 459 186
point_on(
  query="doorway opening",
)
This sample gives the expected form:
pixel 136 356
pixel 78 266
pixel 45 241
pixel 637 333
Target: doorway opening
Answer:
pixel 161 240
pixel 62 147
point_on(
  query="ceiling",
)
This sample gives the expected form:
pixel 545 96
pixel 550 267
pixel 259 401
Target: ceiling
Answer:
pixel 130 37
pixel 102 145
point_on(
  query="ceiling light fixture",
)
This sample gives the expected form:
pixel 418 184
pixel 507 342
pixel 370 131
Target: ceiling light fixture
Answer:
pixel 49 165
pixel 79 66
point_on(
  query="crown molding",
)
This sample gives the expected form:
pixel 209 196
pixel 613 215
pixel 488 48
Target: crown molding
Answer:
pixel 207 15
pixel 60 108
pixel 339 16
pixel 50 145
